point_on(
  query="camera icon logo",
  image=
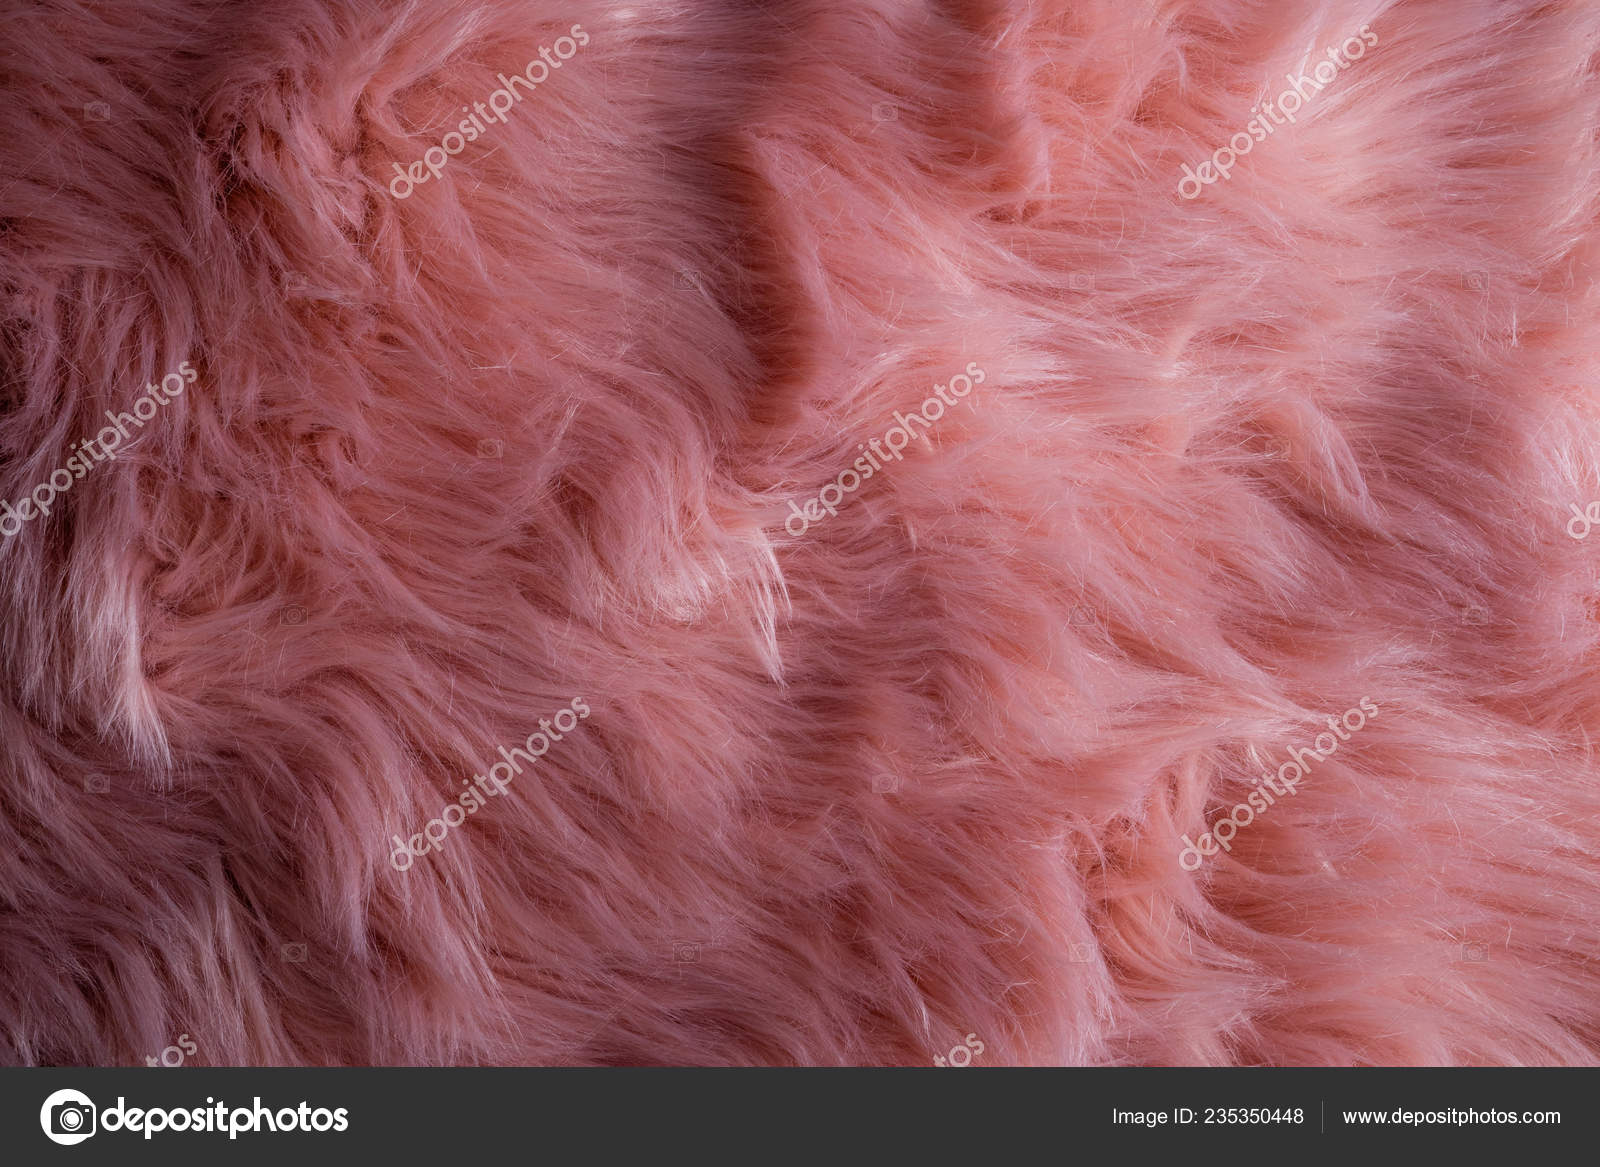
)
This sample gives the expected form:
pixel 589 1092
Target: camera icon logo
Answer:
pixel 1474 952
pixel 294 953
pixel 67 1117
pixel 96 111
pixel 684 952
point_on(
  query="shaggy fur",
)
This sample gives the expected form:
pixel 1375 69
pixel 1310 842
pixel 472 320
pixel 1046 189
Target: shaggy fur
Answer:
pixel 926 770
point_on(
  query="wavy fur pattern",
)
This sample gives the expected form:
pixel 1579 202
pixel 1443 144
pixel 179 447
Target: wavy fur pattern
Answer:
pixel 529 435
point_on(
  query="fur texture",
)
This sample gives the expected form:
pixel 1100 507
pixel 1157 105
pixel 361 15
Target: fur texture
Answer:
pixel 928 769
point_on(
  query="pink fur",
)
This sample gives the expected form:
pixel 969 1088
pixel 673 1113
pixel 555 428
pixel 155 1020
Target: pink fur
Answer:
pixel 530 433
